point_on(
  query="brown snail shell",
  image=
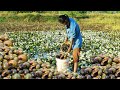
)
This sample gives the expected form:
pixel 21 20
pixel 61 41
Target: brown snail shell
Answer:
pixel 5 73
pixel 112 70
pixel 97 77
pixel 104 76
pixel 5 65
pixel 18 52
pixel 116 60
pixel 6 49
pixel 4 37
pixel 104 62
pixel 94 73
pixel 112 76
pixel 110 61
pixel 88 70
pixel 22 57
pixel 117 74
pixel 8 43
pixel 13 62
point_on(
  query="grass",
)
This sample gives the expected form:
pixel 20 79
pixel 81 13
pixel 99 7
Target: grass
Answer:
pixel 102 21
pixel 48 20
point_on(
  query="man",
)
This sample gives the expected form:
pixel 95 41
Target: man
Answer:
pixel 74 36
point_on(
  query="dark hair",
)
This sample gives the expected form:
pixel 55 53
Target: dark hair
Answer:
pixel 63 18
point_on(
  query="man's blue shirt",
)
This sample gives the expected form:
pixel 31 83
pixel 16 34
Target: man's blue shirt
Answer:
pixel 74 32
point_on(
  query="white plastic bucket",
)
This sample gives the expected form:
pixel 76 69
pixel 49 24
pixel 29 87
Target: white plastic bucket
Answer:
pixel 62 65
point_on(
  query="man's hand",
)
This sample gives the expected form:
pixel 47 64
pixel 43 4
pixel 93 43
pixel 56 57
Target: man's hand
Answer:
pixel 69 50
pixel 61 56
pixel 66 40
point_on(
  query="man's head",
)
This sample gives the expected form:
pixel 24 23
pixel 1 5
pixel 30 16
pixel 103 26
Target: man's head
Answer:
pixel 63 19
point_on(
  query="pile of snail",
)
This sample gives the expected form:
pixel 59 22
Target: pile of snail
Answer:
pixel 65 47
pixel 103 67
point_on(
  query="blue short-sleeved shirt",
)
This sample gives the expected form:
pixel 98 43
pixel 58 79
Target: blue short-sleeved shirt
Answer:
pixel 74 32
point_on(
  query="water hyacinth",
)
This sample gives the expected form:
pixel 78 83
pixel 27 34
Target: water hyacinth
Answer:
pixel 46 44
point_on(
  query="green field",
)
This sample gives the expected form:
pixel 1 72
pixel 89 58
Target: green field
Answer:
pixel 48 20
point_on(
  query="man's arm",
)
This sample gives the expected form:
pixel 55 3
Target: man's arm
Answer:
pixel 66 39
pixel 71 43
